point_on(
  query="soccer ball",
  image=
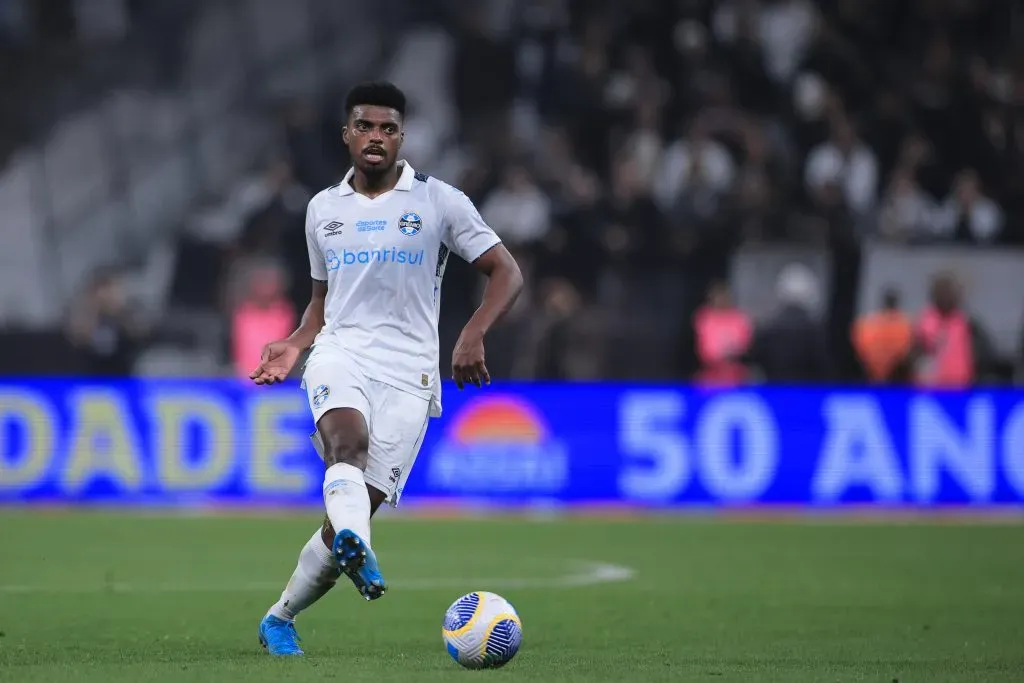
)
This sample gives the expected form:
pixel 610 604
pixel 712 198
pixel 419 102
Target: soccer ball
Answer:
pixel 482 631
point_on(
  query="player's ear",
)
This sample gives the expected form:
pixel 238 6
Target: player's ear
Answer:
pixel 344 135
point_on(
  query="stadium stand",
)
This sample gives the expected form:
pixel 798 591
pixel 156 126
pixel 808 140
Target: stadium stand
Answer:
pixel 632 155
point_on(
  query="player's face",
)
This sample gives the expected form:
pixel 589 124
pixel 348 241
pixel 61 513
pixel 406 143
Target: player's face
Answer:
pixel 373 137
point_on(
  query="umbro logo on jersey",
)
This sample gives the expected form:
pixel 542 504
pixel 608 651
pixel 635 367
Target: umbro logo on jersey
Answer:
pixel 333 228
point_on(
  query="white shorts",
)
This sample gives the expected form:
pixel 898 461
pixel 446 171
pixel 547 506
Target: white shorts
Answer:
pixel 396 420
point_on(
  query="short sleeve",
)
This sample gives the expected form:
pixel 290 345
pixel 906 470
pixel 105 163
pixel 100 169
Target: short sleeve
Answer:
pixel 317 264
pixel 466 232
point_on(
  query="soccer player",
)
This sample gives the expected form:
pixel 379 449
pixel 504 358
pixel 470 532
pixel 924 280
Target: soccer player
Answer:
pixel 378 243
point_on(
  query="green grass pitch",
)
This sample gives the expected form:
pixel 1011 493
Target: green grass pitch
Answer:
pixel 132 598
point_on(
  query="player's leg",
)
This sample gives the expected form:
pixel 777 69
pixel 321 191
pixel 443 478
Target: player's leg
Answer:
pixel 399 424
pixel 327 532
pixel 314 575
pixel 344 435
pixel 330 385
pixel 345 439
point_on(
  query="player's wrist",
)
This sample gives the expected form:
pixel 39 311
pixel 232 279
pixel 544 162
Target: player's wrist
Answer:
pixel 300 340
pixel 474 331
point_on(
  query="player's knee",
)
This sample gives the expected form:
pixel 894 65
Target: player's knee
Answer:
pixel 345 438
pixel 348 450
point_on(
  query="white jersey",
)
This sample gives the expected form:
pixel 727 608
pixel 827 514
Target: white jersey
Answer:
pixel 383 260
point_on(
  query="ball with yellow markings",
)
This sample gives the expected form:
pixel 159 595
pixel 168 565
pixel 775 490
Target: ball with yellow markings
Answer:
pixel 482 630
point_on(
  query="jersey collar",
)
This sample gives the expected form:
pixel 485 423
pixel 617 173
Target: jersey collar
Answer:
pixel 405 179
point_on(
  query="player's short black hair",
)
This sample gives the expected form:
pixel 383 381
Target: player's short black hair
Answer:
pixel 377 94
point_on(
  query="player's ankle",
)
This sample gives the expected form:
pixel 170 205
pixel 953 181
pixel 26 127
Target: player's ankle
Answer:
pixel 280 612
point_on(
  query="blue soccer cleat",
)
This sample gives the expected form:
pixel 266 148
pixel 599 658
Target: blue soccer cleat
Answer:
pixel 357 561
pixel 278 637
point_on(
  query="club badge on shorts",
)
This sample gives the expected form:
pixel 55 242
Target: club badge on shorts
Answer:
pixel 410 223
pixel 320 395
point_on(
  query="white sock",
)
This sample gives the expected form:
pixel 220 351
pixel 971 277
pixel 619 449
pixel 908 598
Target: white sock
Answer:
pixel 313 577
pixel 347 500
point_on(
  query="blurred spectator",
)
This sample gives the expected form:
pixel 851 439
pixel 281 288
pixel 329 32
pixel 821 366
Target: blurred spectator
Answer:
pixel 422 145
pixel 844 161
pixel 637 85
pixel 907 212
pixel 573 248
pixel 919 157
pixel 634 237
pixel 264 314
pixel 812 101
pixel 699 78
pixel 724 334
pixel 105 327
pixel 644 146
pixel 517 210
pixel 953 349
pixel 315 166
pixel 792 347
pixel 783 28
pixel 576 96
pixel 695 166
pixel 883 341
pixel 944 335
pixel 887 124
pixel 565 342
pixel 484 79
pixel 967 215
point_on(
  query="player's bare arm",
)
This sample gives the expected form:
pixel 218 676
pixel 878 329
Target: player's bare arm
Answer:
pixel 504 283
pixel 279 357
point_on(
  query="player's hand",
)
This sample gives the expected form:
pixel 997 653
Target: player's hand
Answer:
pixel 276 363
pixel 468 360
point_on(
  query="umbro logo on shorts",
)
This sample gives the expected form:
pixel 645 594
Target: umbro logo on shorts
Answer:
pixel 396 474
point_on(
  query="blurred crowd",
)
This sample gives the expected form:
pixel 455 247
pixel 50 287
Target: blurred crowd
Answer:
pixel 625 150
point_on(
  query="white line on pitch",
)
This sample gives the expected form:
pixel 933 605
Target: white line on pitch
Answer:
pixel 585 574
